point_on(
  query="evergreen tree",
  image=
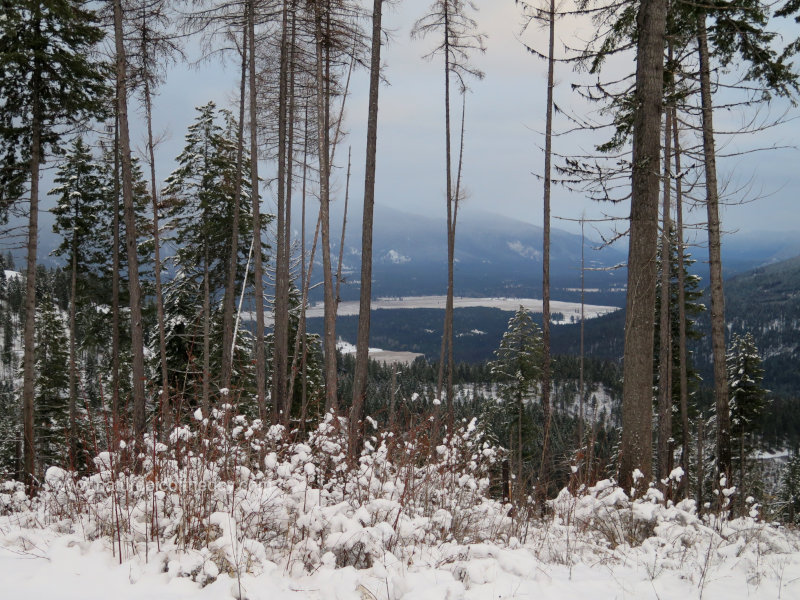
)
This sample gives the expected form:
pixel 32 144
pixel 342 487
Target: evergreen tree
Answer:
pixel 200 195
pixel 517 367
pixel 79 198
pixel 790 491
pixel 49 80
pixel 694 308
pixel 52 384
pixel 747 399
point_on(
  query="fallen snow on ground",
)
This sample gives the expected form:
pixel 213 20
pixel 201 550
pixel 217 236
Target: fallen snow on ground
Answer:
pixel 42 564
pixel 233 511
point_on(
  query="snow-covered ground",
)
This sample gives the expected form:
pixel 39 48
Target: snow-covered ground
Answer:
pixel 679 562
pixel 230 511
pixel 384 356
pixel 569 309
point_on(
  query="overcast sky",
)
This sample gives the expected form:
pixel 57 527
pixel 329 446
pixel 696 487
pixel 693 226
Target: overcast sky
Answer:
pixel 505 124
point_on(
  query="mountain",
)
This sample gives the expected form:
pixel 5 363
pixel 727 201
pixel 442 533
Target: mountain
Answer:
pixel 495 256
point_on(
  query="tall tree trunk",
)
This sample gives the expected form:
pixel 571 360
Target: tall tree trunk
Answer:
pixel 166 412
pixel 229 299
pixel 287 217
pixel 714 259
pixel 447 344
pixel 344 230
pixel 73 350
pixel 323 135
pixel 581 374
pixel 637 392
pixel 29 336
pixel 548 150
pixel 206 336
pixel 137 335
pixel 665 342
pixel 281 308
pixel 258 268
pixel 115 408
pixel 682 354
pixel 365 297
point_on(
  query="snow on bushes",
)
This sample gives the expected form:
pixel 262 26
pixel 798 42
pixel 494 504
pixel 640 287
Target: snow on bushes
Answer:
pixel 227 497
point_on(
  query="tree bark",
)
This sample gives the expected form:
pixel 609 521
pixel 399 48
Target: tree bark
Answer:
pixel 682 354
pixel 281 308
pixel 323 135
pixel 548 150
pixel 137 336
pixel 664 342
pixel 29 336
pixel 714 259
pixel 73 350
pixel 637 393
pixel 166 412
pixel 258 268
pixel 229 299
pixel 365 297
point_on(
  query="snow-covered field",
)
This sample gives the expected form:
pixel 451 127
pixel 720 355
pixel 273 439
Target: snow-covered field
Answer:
pixel 508 304
pixel 260 518
pixel 384 356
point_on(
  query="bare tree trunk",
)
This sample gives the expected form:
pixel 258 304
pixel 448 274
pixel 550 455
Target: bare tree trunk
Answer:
pixel 300 350
pixel 344 230
pixel 637 393
pixel 29 337
pixel 548 151
pixel 115 408
pixel 258 268
pixel 664 342
pixel 700 466
pixel 166 412
pixel 580 377
pixel 280 404
pixel 365 298
pixel 229 299
pixel 714 259
pixel 73 351
pixel 323 135
pixel 684 378
pixel 448 311
pixel 137 336
pixel 206 337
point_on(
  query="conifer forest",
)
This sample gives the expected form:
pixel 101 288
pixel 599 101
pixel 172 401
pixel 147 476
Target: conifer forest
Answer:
pixel 191 384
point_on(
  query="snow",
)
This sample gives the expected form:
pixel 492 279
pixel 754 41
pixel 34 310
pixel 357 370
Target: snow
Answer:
pixel 503 303
pixel 302 524
pixel 394 257
pixel 12 274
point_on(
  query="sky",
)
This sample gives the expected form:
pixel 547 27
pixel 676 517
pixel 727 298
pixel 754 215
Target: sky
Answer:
pixel 504 129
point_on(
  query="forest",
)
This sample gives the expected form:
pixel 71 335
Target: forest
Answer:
pixel 172 338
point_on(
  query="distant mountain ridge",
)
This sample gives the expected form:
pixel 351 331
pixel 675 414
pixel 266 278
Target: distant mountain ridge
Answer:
pixel 495 256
